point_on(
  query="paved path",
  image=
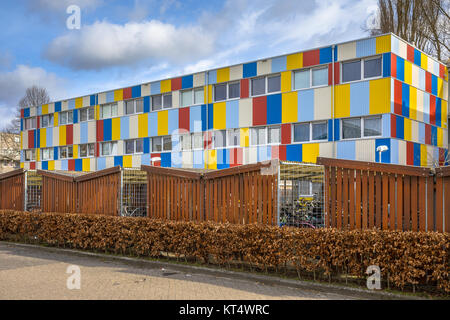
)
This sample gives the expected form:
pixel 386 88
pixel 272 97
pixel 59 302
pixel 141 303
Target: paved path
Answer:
pixel 37 273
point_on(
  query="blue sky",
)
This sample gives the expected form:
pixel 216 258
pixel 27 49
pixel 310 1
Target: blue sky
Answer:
pixel 121 43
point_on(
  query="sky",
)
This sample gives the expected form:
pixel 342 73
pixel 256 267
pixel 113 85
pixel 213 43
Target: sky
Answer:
pixel 122 43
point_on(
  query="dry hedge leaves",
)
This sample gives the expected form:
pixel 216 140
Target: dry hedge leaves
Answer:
pixel 405 258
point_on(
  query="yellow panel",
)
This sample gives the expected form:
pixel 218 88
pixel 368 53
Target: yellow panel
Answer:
pixel 220 116
pixel 408 72
pixel 166 86
pixel 55 119
pixel 127 161
pixel 289 107
pixel 440 137
pixel 78 102
pixel 97 112
pixel 245 139
pixel 440 87
pixel 143 125
pixel 310 152
pixel 342 101
pixel 407 132
pixel 43 134
pixel 37 154
pixel 75 151
pixel 51 165
pixel 163 123
pixel 207 92
pixel 22 165
pixel 444 114
pixel 115 126
pixel 44 108
pixel 380 97
pixel 211 159
pixel 223 75
pixel 412 102
pixel 86 164
pixel 423 155
pixel 383 44
pixel 424 61
pixel 286 81
pixel 294 61
pixel 62 135
pixel 118 95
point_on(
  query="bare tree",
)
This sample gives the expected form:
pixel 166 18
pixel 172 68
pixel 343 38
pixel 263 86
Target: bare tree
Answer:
pixel 424 23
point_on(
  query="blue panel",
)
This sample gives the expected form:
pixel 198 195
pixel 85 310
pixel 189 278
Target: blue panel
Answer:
pixel 145 159
pixel 37 137
pixel 118 161
pixel 212 77
pixel 187 82
pixel 294 152
pixel 386 155
pixel 101 163
pixel 422 132
pixel 83 132
pixel 400 127
pixel 210 116
pixel 21 124
pixel 55 153
pixel 249 70
pixel 336 136
pixel 147 145
pixel 264 153
pixel 78 164
pixel 359 99
pixel 195 119
pixel 58 106
pixel 335 53
pixel 422 79
pixel 49 137
pixel 417 57
pixel 166 159
pixel 405 100
pixel 393 151
pixel 426 107
pixel 136 91
pixel 176 159
pixel 110 96
pixel 204 121
pixel 325 55
pixel 152 124
pixel 107 129
pixel 434 135
pixel 147 104
pixel 39 110
pixel 125 128
pixel 274 109
pixel 176 146
pixel 71 104
pixel 306 105
pixel 330 130
pixel 232 114
pixel 26 112
pixel 416 154
pixel 65 165
pixel 173 121
pixel 198 159
pixel 434 85
pixel 387 64
pixel 365 48
pixel 93 100
pixel 279 64
pixel 438 111
pixel 400 69
pixel 75 116
pixel 386 125
pixel 346 150
pixel 44 165
pixel 222 158
pixel 155 87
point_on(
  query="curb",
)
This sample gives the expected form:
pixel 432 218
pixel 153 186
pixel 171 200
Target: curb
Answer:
pixel 360 293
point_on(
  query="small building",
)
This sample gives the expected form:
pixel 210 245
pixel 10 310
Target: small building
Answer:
pixel 9 151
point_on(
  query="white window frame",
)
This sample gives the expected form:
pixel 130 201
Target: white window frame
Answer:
pixel 87 150
pixel 162 95
pixel 194 101
pixel 33 155
pixel 362 136
pixel 266 85
pixel 111 104
pixel 228 140
pixel 67 151
pixel 33 125
pixel 134 146
pixel 50 120
pixel 134 101
pixel 180 142
pixel 110 143
pixel 251 136
pixel 293 131
pixel 87 114
pixel 362 60
pixel 310 71
pixel 66 114
pixel 311 131
pixel 213 139
pixel 267 132
pixel 51 155
pixel 193 135
pixel 162 144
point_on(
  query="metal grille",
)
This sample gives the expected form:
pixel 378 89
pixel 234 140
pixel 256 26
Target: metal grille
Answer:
pixel 33 187
pixel 133 193
pixel 301 198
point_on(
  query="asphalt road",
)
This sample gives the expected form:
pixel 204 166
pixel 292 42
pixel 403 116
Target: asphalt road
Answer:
pixel 37 273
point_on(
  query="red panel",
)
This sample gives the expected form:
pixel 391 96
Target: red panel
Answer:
pixel 127 93
pixel 71 165
pixel 97 150
pixel 275 152
pixel 32 165
pixel 99 130
pixel 428 82
pixel 441 156
pixel 409 153
pixel 432 109
pixel 393 126
pixel 175 84
pixel 21 113
pixel 30 139
pixel 259 111
pixel 282 153
pixel 183 118
pixel 69 134
pixel 157 163
pixel 427 134
pixel 441 71
pixel 410 54
pixel 393 65
pixel 286 133
pixel 336 73
pixel 38 122
pixel 244 88
pixel 236 156
pixel 397 97
pixel 207 140
pixel 311 58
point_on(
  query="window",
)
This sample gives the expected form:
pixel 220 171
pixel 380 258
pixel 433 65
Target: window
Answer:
pixel 301 132
pixel 315 77
pixel 134 106
pixel 186 98
pixel 108 110
pixel 320 77
pixel 197 140
pixel 47 153
pixel 161 144
pixel 274 84
pixel 258 135
pixel 301 79
pixel 226 91
pixel 87 150
pixel 66 117
pixel 372 68
pixel 156 102
pixel 219 139
pixel 258 86
pixel 274 135
pixel 30 155
pixel 198 96
pixel 87 114
pixel 47 120
pixel 134 146
pixel 66 152
pixel 185 142
pixel 108 148
pixel 234 90
pixel 220 92
pixel 161 101
pixel 354 127
pixel 351 128
pixel 351 71
pixel 234 137
pixel 30 123
pixel 191 97
pixel 372 126
pixel 319 131
pixel 361 69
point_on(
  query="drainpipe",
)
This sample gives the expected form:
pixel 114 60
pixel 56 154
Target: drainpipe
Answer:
pixel 332 99
pixel 207 119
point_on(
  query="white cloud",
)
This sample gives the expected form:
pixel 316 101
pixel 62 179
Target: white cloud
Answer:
pixel 105 44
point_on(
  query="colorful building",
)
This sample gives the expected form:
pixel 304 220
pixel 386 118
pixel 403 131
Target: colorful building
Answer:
pixel 341 101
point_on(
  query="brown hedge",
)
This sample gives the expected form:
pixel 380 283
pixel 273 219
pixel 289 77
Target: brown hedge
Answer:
pixel 405 258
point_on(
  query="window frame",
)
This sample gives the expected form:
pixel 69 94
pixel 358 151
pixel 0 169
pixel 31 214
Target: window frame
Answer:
pixel 65 113
pixel 310 71
pixel 251 135
pixel 193 134
pixel 233 131
pixel 87 150
pixel 362 60
pixel 110 143
pixel 213 139
pixel 65 148
pixel 362 121
pixel 266 84
pixel 51 154
pixel 33 123
pixel 311 131
pixel 33 153
pixel 227 90
pixel 87 114
pixel 50 120
pixel 267 138
pixel 134 101
pixel 110 104
pixel 162 144
pixel 134 146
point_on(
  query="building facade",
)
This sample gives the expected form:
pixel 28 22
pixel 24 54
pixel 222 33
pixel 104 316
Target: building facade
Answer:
pixel 9 151
pixel 340 101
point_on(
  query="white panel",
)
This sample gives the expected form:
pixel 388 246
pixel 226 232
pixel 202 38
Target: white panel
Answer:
pixel 264 67
pixel 419 105
pixel 245 156
pixel 347 51
pixel 176 99
pixel 134 124
pixel 76 133
pixel 145 90
pixel 136 161
pixel 109 162
pixel 187 159
pixel 445 137
pixel 326 149
pixel 102 98
pixel 402 152
pixel 120 108
pixel 56 136
pixel 26 165
pixel 199 79
pixel 245 113
pixel 414 131
pixel 445 88
pixel 120 147
pixel 91 131
pixel 322 103
pixel 51 108
pixel 415 76
pixel 24 139
pixel 394 45
pixel 236 72
pixel 33 111
pixel 38 165
pixel 57 164
pixel 64 105
pixel 93 164
pixel 402 49
pixel 86 101
pixel 365 150
pixel 253 154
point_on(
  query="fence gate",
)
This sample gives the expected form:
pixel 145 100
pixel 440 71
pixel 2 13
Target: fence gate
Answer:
pixel 33 190
pixel 133 193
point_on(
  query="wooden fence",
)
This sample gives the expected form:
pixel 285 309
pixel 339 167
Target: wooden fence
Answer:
pixel 244 194
pixel 12 190
pixel 361 195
